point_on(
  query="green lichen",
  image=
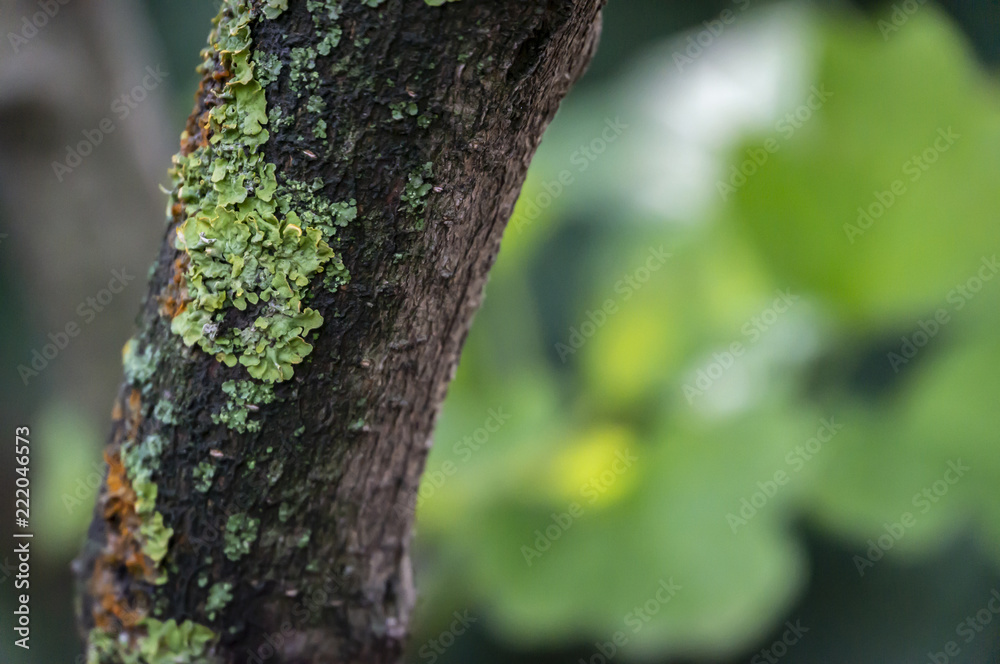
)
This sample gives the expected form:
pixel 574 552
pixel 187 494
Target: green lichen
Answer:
pixel 163 643
pixel 267 67
pixel 218 597
pixel 170 643
pixel 284 512
pixel 317 211
pixel 203 473
pixel 141 460
pixel 329 40
pixel 438 3
pixel 156 539
pixel 164 412
pixel 145 496
pixel 415 193
pixel 277 120
pixel 139 367
pixel 273 8
pixel 401 109
pixel 248 250
pixel 303 68
pixel 304 539
pixel 315 104
pixel 245 396
pixel 241 533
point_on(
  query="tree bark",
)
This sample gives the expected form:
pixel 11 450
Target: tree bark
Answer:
pixel 268 518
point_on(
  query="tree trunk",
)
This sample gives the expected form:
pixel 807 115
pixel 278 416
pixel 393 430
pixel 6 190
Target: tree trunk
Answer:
pixel 321 265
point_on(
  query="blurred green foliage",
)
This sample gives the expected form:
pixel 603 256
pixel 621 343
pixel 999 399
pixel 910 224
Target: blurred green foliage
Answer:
pixel 823 413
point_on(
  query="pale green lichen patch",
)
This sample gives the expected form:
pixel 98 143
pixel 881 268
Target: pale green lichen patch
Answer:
pixel 245 396
pixel 273 8
pixel 438 3
pixel 267 67
pixel 141 459
pixel 139 367
pixel 218 597
pixel 302 69
pixel 156 539
pixel 329 40
pixel 241 533
pixel 203 474
pixel 248 251
pixel 164 411
pixel 401 109
pixel 415 193
pixel 163 643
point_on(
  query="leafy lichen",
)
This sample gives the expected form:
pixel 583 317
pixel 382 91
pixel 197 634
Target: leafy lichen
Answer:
pixel 218 597
pixel 245 396
pixel 401 109
pixel 163 643
pixel 415 193
pixel 141 459
pixel 139 367
pixel 164 412
pixel 267 67
pixel 247 249
pixel 203 473
pixel 241 533
pixel 273 8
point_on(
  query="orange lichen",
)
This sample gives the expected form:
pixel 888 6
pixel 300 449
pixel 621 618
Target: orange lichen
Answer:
pixel 174 297
pixel 116 604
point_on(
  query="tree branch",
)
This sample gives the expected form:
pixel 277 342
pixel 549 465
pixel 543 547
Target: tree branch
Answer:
pixel 320 270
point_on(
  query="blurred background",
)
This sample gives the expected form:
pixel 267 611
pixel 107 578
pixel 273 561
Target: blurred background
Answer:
pixel 733 394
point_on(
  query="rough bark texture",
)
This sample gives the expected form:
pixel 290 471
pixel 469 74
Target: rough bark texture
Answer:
pixel 316 503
